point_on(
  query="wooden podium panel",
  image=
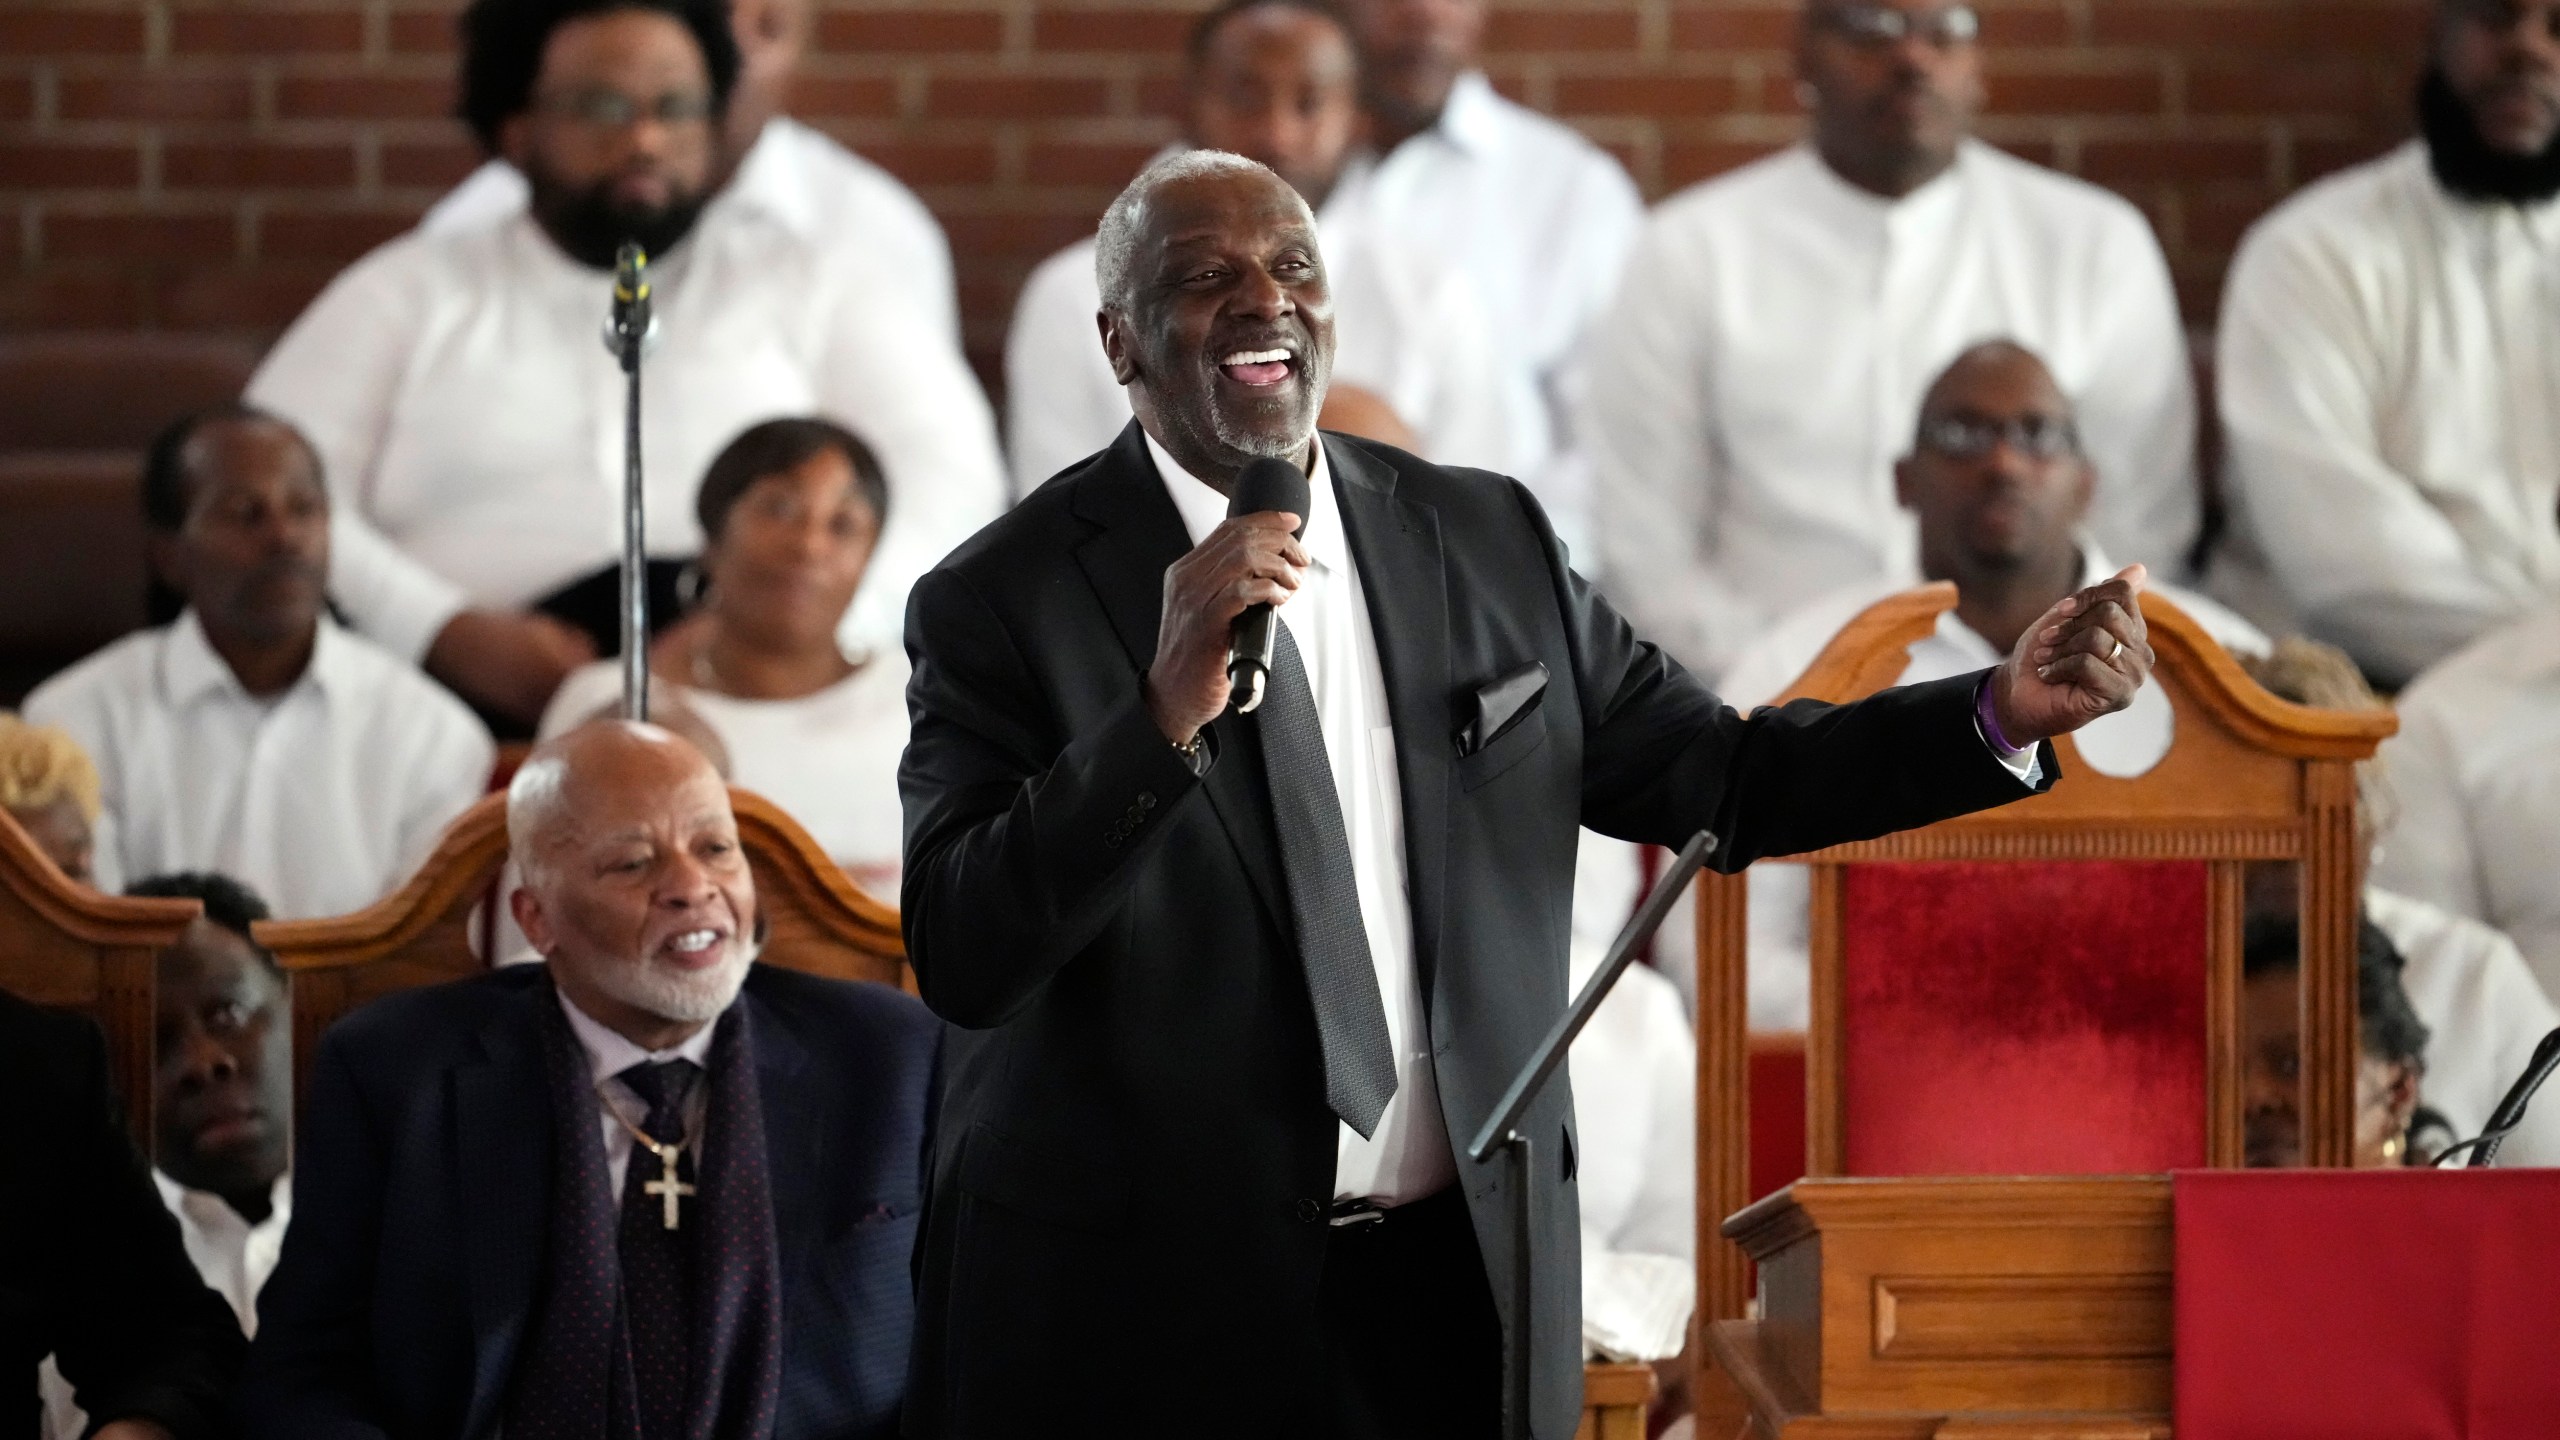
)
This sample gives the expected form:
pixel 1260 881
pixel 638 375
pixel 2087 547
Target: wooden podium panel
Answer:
pixel 1937 1309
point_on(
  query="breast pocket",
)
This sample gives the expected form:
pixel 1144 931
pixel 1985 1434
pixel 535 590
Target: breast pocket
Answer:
pixel 1489 763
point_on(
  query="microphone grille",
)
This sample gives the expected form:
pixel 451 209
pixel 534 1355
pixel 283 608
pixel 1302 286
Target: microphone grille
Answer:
pixel 1269 484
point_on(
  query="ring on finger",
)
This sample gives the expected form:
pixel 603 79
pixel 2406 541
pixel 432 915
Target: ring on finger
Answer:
pixel 2115 647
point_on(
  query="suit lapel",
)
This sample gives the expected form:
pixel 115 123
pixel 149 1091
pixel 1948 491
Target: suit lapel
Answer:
pixel 1396 544
pixel 502 1164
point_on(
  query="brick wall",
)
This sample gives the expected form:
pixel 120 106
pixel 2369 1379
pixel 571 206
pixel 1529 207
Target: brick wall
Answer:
pixel 207 164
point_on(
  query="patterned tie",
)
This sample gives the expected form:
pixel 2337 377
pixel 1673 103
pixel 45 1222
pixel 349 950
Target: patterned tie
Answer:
pixel 657 1292
pixel 1315 856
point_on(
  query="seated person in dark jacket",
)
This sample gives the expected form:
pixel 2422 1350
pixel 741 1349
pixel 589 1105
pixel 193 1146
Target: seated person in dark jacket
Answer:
pixel 91 1268
pixel 645 1190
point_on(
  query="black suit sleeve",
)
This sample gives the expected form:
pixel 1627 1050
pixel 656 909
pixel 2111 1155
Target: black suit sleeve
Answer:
pixel 138 1337
pixel 997 807
pixel 310 1372
pixel 1664 758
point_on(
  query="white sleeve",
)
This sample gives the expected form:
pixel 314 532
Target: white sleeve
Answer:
pixel 489 195
pixel 334 376
pixel 1062 402
pixel 449 770
pixel 2372 565
pixel 2138 413
pixel 2429 853
pixel 1663 1217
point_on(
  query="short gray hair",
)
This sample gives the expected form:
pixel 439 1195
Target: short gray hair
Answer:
pixel 534 799
pixel 1116 245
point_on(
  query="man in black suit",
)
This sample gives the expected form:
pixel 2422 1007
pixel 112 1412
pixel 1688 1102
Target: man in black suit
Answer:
pixel 91 1268
pixel 1230 983
pixel 647 1190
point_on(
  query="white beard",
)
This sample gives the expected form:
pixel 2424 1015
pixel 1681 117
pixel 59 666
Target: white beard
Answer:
pixel 686 997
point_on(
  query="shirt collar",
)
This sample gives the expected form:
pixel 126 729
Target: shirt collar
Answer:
pixel 191 669
pixel 772 180
pixel 211 1214
pixel 1202 507
pixel 1928 202
pixel 609 1053
pixel 1471 118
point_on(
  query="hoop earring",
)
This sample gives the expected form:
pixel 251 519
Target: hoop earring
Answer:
pixel 2392 1147
pixel 689 586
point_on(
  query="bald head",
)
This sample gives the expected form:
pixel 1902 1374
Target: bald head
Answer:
pixel 634 887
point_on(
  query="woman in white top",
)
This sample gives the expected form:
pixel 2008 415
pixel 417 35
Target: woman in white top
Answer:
pixel 790 512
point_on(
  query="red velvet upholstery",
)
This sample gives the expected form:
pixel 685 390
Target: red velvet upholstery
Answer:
pixel 2023 1018
pixel 1777 1110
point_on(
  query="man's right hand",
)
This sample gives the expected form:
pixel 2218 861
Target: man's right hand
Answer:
pixel 508 662
pixel 1247 560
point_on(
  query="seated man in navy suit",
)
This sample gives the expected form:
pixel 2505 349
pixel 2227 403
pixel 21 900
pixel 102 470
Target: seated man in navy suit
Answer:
pixel 645 1190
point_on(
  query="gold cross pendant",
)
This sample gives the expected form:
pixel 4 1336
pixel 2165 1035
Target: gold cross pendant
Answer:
pixel 667 1187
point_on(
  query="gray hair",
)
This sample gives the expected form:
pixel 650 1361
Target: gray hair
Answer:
pixel 1115 247
pixel 534 799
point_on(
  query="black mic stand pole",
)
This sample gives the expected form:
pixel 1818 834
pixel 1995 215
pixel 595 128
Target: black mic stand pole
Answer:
pixel 628 333
pixel 2510 1111
pixel 1502 1129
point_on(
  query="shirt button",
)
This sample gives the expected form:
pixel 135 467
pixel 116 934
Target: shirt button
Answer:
pixel 1309 1211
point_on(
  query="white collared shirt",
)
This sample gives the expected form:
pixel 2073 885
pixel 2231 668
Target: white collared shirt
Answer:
pixel 322 799
pixel 2389 376
pixel 1540 220
pixel 1413 332
pixel 2484 1015
pixel 470 421
pixel 1407 1156
pixel 608 1055
pixel 1764 367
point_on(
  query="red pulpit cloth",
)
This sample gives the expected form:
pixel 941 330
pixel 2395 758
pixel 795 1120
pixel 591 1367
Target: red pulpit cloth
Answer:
pixel 2368 1305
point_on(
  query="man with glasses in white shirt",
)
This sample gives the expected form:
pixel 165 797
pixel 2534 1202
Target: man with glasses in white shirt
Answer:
pixel 1761 370
pixel 472 422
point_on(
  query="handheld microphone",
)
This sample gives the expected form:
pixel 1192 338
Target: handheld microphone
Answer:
pixel 632 324
pixel 1266 484
pixel 2510 1111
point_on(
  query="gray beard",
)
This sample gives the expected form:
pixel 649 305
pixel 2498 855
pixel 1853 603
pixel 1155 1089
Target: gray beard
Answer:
pixel 678 997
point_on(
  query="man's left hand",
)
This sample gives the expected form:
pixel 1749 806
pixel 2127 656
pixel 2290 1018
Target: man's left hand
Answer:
pixel 2083 658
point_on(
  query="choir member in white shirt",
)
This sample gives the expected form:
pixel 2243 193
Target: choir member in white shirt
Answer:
pixel 2389 371
pixel 1535 215
pixel 791 511
pixel 825 192
pixel 1757 377
pixel 252 735
pixel 49 787
pixel 1999 492
pixel 472 423
pixel 1277 81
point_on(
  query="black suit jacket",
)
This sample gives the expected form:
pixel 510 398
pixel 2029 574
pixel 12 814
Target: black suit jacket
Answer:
pixel 91 1266
pixel 422 1200
pixel 1125 1215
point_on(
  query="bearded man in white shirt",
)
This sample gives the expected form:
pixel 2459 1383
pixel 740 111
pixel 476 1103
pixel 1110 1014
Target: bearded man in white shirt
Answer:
pixel 1416 365
pixel 2389 372
pixel 472 424
pixel 252 735
pixel 1750 392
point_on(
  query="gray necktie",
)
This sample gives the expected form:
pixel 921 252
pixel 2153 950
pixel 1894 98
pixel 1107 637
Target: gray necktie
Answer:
pixel 1315 858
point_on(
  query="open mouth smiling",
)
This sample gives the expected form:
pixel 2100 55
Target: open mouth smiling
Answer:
pixel 1259 369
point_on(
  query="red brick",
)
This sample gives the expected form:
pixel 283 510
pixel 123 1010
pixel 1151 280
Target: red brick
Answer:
pixel 2140 162
pixel 258 298
pixel 88 238
pixel 1548 31
pixel 59 165
pixel 1097 163
pixel 844 96
pixel 1649 95
pixel 1689 162
pixel 2315 158
pixel 429 164
pixel 2007 28
pixel 336 237
pixel 246 164
pixel 84 297
pixel 922 162
pixel 28 31
pixel 1016 97
pixel 2134 91
pixel 2292 29
pixel 2217 216
pixel 363 97
pixel 2289 91
pixel 1117 32
pixel 1165 95
pixel 266 32
pixel 1723 29
pixel 910 31
pixel 423 32
pixel 17 97
pixel 145 96
pixel 1027 237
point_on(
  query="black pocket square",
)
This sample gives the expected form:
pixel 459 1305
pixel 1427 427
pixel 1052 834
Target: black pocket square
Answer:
pixel 1501 704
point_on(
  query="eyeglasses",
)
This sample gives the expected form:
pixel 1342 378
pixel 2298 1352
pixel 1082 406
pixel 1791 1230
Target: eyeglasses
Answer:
pixel 1965 437
pixel 1881 25
pixel 603 109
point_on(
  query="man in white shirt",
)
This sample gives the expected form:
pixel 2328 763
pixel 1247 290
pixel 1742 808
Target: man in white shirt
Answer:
pixel 1536 215
pixel 1277 81
pixel 829 194
pixel 2389 372
pixel 472 424
pixel 1760 372
pixel 252 735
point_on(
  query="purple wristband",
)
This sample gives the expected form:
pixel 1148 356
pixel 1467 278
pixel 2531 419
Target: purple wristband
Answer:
pixel 1987 716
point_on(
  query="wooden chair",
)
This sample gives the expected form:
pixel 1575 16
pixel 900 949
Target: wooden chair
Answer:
pixel 2247 778
pixel 816 921
pixel 70 948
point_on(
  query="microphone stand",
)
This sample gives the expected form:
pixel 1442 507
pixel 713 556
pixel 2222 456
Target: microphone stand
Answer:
pixel 628 332
pixel 2510 1111
pixel 1502 1128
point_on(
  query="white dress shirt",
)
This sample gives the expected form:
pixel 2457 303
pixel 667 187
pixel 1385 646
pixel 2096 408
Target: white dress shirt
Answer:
pixel 2484 1015
pixel 1407 1156
pixel 322 799
pixel 608 1055
pixel 2390 370
pixel 2476 771
pixel 470 421
pixel 2125 744
pixel 830 759
pixel 1413 333
pixel 1540 219
pixel 1635 1082
pixel 829 194
pixel 1764 366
